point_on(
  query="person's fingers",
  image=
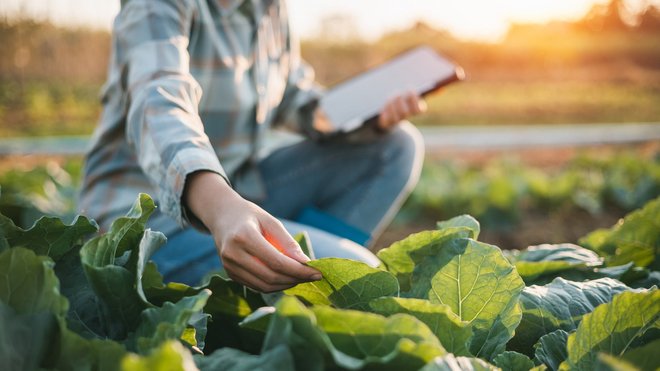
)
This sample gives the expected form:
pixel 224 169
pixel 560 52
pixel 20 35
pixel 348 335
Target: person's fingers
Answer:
pixel 399 108
pixel 402 109
pixel 277 235
pixel 395 115
pixel 253 266
pixel 413 101
pixel 385 116
pixel 391 115
pixel 255 244
pixel 422 105
pixel 252 281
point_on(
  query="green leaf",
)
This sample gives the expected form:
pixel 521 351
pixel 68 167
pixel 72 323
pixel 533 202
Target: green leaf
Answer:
pixel 149 243
pixel 614 327
pixel 229 303
pixel 549 260
pixel 513 361
pixel 295 325
pixel 645 357
pixel 460 221
pixel 559 305
pixel 401 257
pixel 229 359
pixel 168 322
pixel 28 283
pixel 606 362
pixel 346 284
pixel 81 354
pixel 33 290
pixel 565 252
pixel 259 319
pixel 113 282
pixel 86 315
pixel 479 284
pixel 360 338
pixel 26 340
pixel 352 339
pixel 634 238
pixel 48 236
pixel 170 356
pixel 449 362
pixel 454 334
pixel 551 349
pixel 653 279
pixel 305 244
pixel 227 298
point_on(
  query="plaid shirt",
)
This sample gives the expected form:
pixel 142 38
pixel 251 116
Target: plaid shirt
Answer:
pixel 157 126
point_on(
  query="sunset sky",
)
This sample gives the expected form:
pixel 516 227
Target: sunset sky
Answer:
pixel 475 19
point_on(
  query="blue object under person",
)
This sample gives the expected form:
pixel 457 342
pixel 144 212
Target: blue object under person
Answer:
pixel 326 222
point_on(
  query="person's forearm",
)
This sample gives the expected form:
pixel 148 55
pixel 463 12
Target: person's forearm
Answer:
pixel 206 195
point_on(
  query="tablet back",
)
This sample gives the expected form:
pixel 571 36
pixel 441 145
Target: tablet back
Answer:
pixel 351 103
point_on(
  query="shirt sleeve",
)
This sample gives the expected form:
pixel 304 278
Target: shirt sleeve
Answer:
pixel 296 111
pixel 301 97
pixel 163 124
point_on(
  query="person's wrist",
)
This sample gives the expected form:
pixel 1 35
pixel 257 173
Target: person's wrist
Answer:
pixel 206 194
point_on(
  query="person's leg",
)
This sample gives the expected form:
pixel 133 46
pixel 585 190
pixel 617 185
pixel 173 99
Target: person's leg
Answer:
pixel 326 245
pixel 362 184
pixel 187 256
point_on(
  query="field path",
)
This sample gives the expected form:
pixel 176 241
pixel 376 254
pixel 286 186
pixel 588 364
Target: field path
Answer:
pixel 454 138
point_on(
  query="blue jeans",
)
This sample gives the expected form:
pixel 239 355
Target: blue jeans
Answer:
pixel 362 184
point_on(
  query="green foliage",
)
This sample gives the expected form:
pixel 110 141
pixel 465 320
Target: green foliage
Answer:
pixel 46 189
pixel 346 284
pixel 559 305
pixel 535 262
pixel 513 361
pixel 170 356
pixel 48 236
pixel 278 358
pixel 402 257
pixel 634 239
pixel 472 278
pixel 500 192
pixel 441 301
pixel 614 328
pixel 453 333
pixel 451 363
pixel 551 349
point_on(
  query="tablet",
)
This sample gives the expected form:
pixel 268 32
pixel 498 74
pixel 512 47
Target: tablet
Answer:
pixel 350 104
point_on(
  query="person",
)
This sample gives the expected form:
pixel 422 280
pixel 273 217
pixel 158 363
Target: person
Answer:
pixel 195 92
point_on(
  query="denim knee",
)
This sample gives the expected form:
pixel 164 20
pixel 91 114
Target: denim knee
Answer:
pixel 405 150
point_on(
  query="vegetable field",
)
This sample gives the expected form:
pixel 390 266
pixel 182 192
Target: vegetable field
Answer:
pixel 73 299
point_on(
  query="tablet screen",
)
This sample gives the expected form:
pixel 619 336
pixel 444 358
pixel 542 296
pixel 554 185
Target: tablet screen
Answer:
pixel 351 103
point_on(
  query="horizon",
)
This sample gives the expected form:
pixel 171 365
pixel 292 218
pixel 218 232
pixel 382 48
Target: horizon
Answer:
pixel 366 19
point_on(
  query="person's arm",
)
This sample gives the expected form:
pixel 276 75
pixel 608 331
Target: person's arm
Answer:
pixel 254 246
pixel 167 135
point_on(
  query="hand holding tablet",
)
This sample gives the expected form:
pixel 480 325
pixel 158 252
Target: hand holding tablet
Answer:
pixel 359 100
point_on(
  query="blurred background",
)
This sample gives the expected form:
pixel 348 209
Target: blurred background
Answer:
pixel 566 71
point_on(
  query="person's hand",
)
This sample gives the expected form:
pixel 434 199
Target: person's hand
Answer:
pixel 400 108
pixel 254 247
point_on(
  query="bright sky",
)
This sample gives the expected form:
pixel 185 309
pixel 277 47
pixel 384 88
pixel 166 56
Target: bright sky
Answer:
pixel 477 19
